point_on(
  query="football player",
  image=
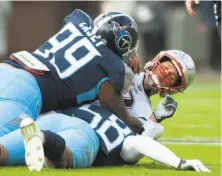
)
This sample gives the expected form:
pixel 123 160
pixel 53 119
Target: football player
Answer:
pixel 86 60
pixel 69 145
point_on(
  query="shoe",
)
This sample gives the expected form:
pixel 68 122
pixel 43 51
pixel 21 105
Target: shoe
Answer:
pixel 33 141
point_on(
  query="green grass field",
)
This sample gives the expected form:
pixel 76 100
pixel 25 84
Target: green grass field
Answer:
pixel 198 118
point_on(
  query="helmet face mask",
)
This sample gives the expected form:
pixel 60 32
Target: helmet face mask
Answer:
pixel 129 55
pixel 185 68
pixel 120 33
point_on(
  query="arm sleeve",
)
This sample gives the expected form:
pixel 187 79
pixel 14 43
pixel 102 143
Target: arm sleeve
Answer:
pixel 134 147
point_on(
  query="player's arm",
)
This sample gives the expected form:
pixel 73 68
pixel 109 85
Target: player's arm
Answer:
pixel 165 109
pixel 113 101
pixel 135 147
pixel 189 6
pixel 135 65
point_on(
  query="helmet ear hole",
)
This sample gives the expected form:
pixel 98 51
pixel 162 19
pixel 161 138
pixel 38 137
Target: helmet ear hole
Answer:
pixel 109 22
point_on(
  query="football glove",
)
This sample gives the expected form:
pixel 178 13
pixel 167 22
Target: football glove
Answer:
pixel 165 109
pixel 192 165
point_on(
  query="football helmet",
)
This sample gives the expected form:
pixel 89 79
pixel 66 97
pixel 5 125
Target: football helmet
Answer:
pixel 120 33
pixel 184 65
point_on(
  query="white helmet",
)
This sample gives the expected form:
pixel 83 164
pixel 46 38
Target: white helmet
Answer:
pixel 184 65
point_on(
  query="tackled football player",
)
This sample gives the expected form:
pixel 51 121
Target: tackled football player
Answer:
pixel 83 62
pixel 68 145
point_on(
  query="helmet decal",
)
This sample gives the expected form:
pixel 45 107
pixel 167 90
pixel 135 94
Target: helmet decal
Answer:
pixel 123 38
pixel 120 32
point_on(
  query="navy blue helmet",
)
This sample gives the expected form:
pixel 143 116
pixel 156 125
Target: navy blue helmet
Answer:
pixel 120 33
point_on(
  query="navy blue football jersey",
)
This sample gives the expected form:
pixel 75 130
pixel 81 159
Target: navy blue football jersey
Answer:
pixel 110 130
pixel 76 63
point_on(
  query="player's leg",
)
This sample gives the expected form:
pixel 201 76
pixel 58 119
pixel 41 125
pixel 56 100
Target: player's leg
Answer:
pixel 12 145
pixel 75 144
pixel 12 150
pixel 19 94
pixel 80 139
pixel 83 144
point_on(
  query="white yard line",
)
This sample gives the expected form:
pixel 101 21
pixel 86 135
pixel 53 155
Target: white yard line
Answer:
pixel 194 126
pixel 195 141
pixel 216 167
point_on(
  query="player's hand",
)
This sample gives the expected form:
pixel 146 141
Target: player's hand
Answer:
pixel 135 64
pixel 165 109
pixel 192 165
pixel 152 130
pixel 189 6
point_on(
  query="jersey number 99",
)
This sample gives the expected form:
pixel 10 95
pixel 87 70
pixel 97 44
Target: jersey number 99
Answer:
pixel 68 50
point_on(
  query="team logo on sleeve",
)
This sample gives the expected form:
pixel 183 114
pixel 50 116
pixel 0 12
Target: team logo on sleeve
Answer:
pixel 122 37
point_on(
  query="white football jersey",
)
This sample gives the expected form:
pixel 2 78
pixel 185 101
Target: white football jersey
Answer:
pixel 136 101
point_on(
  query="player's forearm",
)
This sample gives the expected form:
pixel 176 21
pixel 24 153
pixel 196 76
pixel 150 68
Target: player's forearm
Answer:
pixel 113 101
pixel 134 124
pixel 154 150
pixel 117 107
